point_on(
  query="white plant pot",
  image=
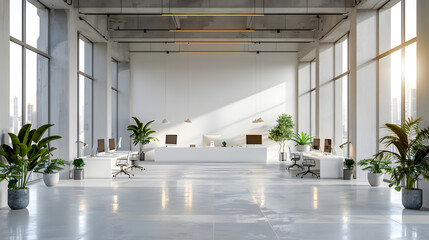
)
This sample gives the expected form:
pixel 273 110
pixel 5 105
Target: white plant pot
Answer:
pixel 51 179
pixel 303 148
pixel 375 179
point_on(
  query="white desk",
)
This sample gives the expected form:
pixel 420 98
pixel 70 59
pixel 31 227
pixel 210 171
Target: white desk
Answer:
pixel 101 166
pixel 330 166
pixel 208 154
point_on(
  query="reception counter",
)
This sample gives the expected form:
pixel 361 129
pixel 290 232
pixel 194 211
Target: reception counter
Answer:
pixel 209 154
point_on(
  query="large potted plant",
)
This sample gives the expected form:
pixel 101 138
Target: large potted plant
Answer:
pixel 26 152
pixel 49 169
pixel 349 165
pixel 141 135
pixel 282 132
pixel 405 148
pixel 78 172
pixel 303 141
pixel 375 167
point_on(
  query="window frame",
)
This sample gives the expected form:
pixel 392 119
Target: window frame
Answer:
pixel 116 90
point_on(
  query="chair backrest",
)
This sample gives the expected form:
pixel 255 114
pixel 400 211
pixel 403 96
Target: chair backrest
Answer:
pixel 316 144
pixel 101 146
pixel 111 144
pixel 328 146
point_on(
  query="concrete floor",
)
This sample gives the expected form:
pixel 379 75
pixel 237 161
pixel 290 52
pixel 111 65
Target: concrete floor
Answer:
pixel 213 201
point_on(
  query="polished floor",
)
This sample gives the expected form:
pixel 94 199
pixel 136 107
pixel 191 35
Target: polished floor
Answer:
pixel 213 201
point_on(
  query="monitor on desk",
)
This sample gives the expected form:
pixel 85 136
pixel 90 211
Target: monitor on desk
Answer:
pixel 207 139
pixel 316 144
pixel 171 139
pixel 328 146
pixel 253 139
pixel 101 146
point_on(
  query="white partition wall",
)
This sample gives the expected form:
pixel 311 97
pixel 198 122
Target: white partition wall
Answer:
pixel 220 92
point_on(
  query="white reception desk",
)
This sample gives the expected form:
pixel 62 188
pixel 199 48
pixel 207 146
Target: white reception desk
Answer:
pixel 330 166
pixel 209 154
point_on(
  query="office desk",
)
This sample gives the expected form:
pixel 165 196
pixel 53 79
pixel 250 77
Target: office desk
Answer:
pixel 330 166
pixel 209 154
pixel 101 166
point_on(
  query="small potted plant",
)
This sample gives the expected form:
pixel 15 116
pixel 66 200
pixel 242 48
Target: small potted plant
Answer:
pixel 78 173
pixel 303 141
pixel 282 132
pixel 349 165
pixel 376 167
pixel 223 144
pixel 50 169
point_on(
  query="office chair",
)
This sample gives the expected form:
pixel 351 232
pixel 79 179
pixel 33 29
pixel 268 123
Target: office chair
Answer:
pixel 309 163
pixel 134 158
pixel 294 157
pixel 123 163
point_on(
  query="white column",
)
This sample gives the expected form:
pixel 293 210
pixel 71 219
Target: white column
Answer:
pixel 4 82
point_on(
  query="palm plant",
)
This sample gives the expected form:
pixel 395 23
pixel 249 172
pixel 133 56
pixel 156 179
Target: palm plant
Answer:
pixel 376 165
pixel 28 150
pixel 408 153
pixel 302 139
pixel 141 133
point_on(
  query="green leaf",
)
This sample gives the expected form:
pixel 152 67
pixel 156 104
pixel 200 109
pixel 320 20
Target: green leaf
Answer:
pixel 23 133
pixel 40 132
pixel 46 140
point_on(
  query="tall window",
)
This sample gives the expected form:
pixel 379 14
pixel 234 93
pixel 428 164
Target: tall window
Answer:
pixel 114 68
pixel 29 64
pixel 307 97
pixel 341 79
pixel 85 95
pixel 397 62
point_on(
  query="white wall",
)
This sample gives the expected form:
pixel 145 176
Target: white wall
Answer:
pixel 222 97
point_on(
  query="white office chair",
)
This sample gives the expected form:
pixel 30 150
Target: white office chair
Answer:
pixel 123 163
pixel 294 157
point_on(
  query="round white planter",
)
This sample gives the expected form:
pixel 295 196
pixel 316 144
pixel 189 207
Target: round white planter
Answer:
pixel 51 179
pixel 375 179
pixel 303 148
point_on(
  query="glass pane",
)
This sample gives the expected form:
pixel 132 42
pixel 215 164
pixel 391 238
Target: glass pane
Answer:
pixel 341 57
pixel 304 97
pixel 390 27
pixel 313 113
pixel 390 91
pixel 410 81
pixel 15 87
pixel 85 114
pixel 114 68
pixel 115 115
pixel 312 74
pixel 15 23
pixel 37 81
pixel 85 56
pixel 410 19
pixel 36 25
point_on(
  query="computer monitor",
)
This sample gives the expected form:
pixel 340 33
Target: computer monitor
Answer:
pixel 101 146
pixel 328 146
pixel 207 139
pixel 112 144
pixel 316 144
pixel 171 139
pixel 253 139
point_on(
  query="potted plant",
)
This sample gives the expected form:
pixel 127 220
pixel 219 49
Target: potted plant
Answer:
pixel 282 132
pixel 26 152
pixel 223 144
pixel 405 148
pixel 376 167
pixel 349 165
pixel 78 173
pixel 49 169
pixel 141 135
pixel 303 141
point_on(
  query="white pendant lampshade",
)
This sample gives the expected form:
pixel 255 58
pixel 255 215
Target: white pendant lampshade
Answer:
pixel 165 121
pixel 188 120
pixel 260 120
